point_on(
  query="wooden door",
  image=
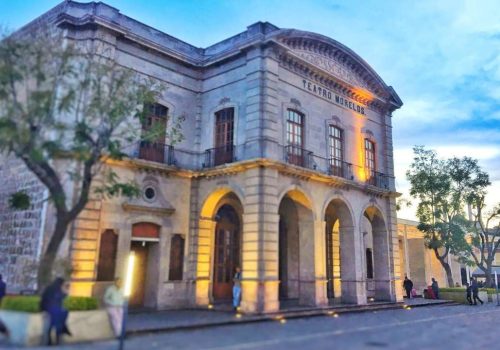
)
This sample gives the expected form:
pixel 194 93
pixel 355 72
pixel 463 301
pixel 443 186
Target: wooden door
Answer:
pixel 224 136
pixel 227 253
pixel 139 275
pixel 283 261
pixel 329 260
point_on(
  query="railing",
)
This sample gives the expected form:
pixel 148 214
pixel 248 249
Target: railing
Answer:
pixel 298 156
pixel 156 152
pixel 377 179
pixel 219 155
pixel 292 154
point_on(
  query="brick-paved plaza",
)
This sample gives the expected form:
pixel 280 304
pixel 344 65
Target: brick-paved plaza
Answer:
pixel 443 327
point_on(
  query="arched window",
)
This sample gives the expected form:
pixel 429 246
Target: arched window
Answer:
pixel 154 124
pixel 295 138
pixel 107 256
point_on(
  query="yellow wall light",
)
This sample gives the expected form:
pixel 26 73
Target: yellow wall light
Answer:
pixel 129 276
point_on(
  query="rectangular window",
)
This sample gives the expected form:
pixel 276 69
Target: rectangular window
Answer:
pixel 224 136
pixel 369 263
pixel 336 144
pixel 295 137
pixel 370 159
pixel 154 128
pixel 107 256
pixel 176 258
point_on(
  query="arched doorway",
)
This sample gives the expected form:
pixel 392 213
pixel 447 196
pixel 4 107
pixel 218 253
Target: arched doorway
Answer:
pixel 340 253
pixel 296 250
pixel 227 251
pixel 376 245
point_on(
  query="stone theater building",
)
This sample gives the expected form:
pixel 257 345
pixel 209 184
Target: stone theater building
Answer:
pixel 286 170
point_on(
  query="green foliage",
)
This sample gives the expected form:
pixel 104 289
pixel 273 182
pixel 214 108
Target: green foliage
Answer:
pixel 80 303
pixel 454 289
pixel 19 201
pixel 21 303
pixel 32 303
pixel 442 188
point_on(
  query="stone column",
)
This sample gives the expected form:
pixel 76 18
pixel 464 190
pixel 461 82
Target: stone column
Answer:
pixel 206 227
pixel 337 282
pixel 260 242
pixel 351 257
pixel 384 288
pixel 320 297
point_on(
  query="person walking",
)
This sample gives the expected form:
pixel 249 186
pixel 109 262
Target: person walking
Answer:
pixel 468 292
pixel 3 288
pixel 237 288
pixel 52 303
pixel 113 300
pixel 408 286
pixel 475 292
pixel 435 288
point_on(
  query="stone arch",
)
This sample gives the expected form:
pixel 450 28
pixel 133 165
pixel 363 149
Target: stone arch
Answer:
pixel 300 195
pixel 380 238
pixel 212 199
pixel 296 252
pixel 213 224
pixel 340 250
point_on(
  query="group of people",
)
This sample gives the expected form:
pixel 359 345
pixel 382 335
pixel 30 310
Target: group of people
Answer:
pixel 472 290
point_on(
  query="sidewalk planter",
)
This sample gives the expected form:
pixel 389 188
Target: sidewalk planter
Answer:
pixel 26 325
pixel 461 297
pixel 26 329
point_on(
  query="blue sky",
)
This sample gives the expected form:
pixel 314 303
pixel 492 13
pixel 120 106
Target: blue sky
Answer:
pixel 442 57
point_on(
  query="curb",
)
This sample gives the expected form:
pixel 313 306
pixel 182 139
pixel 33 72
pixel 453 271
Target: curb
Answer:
pixel 278 316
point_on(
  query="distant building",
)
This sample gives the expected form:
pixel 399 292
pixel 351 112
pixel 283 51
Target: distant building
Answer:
pixel 286 170
pixel 420 263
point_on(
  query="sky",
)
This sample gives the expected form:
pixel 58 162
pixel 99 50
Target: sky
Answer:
pixel 442 58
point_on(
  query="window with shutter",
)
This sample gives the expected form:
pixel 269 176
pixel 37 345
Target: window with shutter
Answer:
pixel 176 258
pixel 107 256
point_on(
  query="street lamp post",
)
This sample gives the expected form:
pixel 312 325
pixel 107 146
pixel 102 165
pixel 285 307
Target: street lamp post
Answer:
pixel 496 287
pixel 126 293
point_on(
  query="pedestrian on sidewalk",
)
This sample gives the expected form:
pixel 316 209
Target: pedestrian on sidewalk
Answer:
pixel 113 300
pixel 237 288
pixel 435 288
pixel 3 288
pixel 408 286
pixel 468 291
pixel 52 303
pixel 475 291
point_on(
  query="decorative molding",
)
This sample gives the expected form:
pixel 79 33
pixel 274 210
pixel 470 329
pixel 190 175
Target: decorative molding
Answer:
pixel 295 102
pixel 147 209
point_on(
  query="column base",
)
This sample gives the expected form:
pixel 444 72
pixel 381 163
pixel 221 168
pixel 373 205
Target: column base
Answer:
pixel 259 296
pixel 354 292
pixel 313 293
pixel 383 291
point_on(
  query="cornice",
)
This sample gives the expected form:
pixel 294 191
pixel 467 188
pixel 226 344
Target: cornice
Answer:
pixel 233 169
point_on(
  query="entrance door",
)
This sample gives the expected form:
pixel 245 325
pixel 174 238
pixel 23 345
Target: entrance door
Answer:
pixel 329 261
pixel 283 259
pixel 139 277
pixel 227 252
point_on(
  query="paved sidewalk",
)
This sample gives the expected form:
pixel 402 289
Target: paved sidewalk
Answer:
pixel 170 320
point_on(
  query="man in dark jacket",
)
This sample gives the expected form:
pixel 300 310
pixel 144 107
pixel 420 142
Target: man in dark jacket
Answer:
pixel 408 286
pixel 435 288
pixel 475 291
pixel 469 293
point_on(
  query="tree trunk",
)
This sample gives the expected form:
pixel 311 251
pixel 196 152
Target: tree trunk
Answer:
pixel 446 267
pixel 489 278
pixel 47 262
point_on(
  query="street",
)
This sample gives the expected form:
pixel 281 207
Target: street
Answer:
pixel 444 327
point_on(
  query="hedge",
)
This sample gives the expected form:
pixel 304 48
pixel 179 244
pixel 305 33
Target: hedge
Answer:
pixel 32 303
pixel 460 289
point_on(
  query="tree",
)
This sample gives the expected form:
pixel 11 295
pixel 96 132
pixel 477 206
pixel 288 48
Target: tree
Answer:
pixel 484 235
pixel 443 188
pixel 66 110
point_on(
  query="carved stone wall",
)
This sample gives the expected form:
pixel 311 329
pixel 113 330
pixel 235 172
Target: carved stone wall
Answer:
pixel 19 229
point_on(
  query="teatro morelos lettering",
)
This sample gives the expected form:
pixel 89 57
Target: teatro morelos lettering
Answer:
pixel 327 94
